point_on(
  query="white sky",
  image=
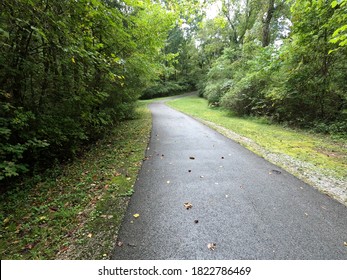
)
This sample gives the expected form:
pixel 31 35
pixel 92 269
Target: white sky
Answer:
pixel 212 11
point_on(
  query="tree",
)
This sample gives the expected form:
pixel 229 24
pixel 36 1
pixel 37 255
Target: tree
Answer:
pixel 69 70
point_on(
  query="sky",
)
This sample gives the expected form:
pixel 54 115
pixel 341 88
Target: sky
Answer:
pixel 212 11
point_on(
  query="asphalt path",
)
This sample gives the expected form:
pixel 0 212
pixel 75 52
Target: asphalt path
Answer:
pixel 242 205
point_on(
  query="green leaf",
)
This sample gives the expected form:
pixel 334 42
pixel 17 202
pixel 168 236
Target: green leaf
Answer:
pixel 343 43
pixel 334 4
pixel 4 33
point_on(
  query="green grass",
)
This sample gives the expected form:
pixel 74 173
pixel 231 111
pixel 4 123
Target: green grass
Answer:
pixel 77 214
pixel 321 151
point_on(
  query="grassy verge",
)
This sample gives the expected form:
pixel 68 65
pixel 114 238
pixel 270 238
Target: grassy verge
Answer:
pixel 302 152
pixel 77 215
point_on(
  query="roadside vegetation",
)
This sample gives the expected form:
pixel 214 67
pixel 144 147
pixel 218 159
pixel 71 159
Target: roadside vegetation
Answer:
pixel 71 74
pixel 75 210
pixel 319 159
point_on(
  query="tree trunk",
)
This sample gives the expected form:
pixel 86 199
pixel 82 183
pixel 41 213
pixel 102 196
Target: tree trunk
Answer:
pixel 266 23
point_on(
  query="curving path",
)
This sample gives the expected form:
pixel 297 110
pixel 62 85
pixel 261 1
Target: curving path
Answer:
pixel 248 207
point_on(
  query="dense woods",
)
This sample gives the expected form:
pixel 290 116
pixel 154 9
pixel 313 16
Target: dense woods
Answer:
pixel 70 69
pixel 285 60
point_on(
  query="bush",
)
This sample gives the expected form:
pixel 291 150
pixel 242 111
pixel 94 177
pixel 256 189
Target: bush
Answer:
pixel 163 89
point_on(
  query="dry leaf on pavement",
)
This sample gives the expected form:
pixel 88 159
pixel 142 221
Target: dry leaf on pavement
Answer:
pixel 188 205
pixel 211 246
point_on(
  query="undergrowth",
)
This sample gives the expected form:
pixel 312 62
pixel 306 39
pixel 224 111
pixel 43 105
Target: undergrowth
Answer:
pixel 76 214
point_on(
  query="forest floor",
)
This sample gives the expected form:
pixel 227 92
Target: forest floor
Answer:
pixel 76 212
pixel 319 160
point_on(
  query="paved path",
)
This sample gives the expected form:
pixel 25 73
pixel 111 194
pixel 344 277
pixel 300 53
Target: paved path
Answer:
pixel 249 208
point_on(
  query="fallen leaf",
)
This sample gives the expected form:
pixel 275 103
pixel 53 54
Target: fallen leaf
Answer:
pixel 188 205
pixel 64 249
pixel 192 158
pixel 53 209
pixel 136 215
pixel 211 246
pixel 29 246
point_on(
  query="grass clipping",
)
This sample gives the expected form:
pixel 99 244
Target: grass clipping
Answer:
pixel 77 215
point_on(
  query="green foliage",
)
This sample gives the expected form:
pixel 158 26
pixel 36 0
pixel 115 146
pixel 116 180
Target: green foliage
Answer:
pixel 163 89
pixel 339 18
pixel 289 64
pixel 69 70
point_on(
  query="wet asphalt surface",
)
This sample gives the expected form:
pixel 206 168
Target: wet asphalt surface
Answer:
pixel 250 208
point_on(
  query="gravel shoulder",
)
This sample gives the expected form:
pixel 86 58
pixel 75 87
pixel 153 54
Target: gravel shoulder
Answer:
pixel 325 183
